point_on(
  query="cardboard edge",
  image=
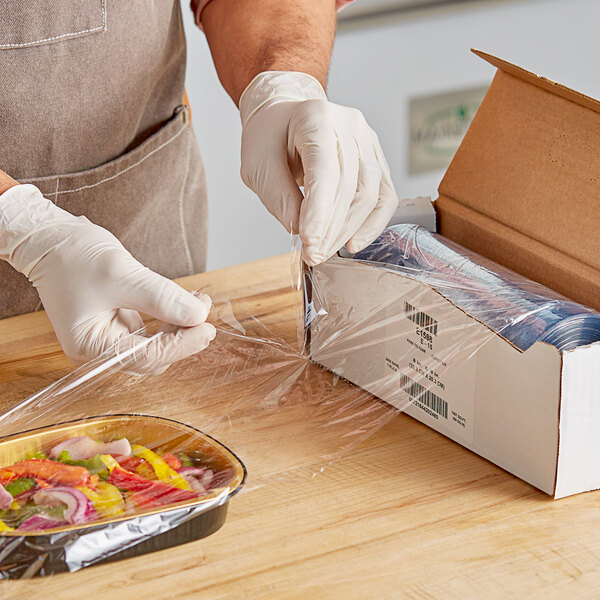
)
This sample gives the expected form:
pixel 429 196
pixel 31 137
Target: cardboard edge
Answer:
pixel 580 440
pixel 558 426
pixel 542 82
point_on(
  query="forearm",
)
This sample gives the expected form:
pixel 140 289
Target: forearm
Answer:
pixel 6 182
pixel 249 37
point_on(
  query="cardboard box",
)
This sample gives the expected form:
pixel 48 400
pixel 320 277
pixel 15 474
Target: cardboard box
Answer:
pixel 523 191
pixel 523 188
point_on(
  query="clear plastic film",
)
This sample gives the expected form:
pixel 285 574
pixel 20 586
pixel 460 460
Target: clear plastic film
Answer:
pixel 523 311
pixel 128 454
pixel 406 317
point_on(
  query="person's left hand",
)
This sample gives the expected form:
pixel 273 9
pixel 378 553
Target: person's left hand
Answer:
pixel 94 290
pixel 291 136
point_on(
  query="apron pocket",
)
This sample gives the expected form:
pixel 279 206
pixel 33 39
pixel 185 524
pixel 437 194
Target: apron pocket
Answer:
pixel 26 23
pixel 151 198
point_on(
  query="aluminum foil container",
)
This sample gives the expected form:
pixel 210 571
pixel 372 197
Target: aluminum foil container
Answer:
pixel 70 548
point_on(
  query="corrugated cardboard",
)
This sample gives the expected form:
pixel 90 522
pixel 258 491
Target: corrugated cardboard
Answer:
pixel 524 187
pixel 523 191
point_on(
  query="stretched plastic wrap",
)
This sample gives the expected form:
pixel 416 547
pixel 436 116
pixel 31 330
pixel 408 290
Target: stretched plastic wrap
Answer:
pixel 124 455
pixel 523 311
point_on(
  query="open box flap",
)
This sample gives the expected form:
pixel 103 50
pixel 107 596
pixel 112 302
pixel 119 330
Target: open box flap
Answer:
pixel 542 82
pixel 523 186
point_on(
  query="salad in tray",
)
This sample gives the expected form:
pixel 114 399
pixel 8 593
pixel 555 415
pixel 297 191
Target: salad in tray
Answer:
pixel 82 480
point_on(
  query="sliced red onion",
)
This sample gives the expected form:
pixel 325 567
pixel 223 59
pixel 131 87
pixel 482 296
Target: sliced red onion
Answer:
pixel 5 499
pixel 37 522
pixel 83 447
pixel 195 471
pixel 122 447
pixel 79 508
pixel 80 448
pixel 220 479
pixel 194 484
pixel 207 478
pixel 199 478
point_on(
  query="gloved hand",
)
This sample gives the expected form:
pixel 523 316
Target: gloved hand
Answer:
pixel 92 288
pixel 292 135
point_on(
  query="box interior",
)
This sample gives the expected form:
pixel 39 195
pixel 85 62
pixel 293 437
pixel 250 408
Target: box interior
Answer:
pixel 523 187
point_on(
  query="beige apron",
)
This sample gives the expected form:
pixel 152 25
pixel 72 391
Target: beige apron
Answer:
pixel 90 112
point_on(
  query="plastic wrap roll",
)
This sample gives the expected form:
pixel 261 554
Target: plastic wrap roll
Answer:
pixel 521 310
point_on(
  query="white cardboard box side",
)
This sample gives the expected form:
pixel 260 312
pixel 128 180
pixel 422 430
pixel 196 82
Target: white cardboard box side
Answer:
pixel 516 395
pixel 579 454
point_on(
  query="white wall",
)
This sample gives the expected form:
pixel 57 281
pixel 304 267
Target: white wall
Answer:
pixel 378 67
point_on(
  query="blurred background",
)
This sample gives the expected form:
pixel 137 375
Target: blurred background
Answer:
pixel 406 64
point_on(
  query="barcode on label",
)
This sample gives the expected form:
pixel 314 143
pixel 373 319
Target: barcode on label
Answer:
pixel 421 319
pixel 418 393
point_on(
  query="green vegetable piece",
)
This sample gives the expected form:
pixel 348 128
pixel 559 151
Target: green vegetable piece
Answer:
pixel 37 454
pixel 55 512
pixel 186 461
pixel 64 457
pixel 93 465
pixel 19 485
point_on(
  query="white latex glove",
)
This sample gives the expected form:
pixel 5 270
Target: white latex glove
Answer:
pixel 292 135
pixel 92 288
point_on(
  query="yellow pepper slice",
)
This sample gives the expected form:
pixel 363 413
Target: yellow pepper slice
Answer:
pixel 5 527
pixel 146 471
pixel 111 497
pixel 109 461
pixel 106 498
pixel 91 495
pixel 161 468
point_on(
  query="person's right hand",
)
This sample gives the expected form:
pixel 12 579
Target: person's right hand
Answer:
pixel 92 288
pixel 291 136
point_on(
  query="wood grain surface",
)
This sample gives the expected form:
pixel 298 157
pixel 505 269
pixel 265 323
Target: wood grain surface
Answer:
pixel 406 514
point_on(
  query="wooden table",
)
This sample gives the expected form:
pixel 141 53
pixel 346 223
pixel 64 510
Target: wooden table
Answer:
pixel 408 514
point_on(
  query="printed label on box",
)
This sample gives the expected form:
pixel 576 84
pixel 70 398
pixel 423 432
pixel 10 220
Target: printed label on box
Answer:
pixel 431 354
